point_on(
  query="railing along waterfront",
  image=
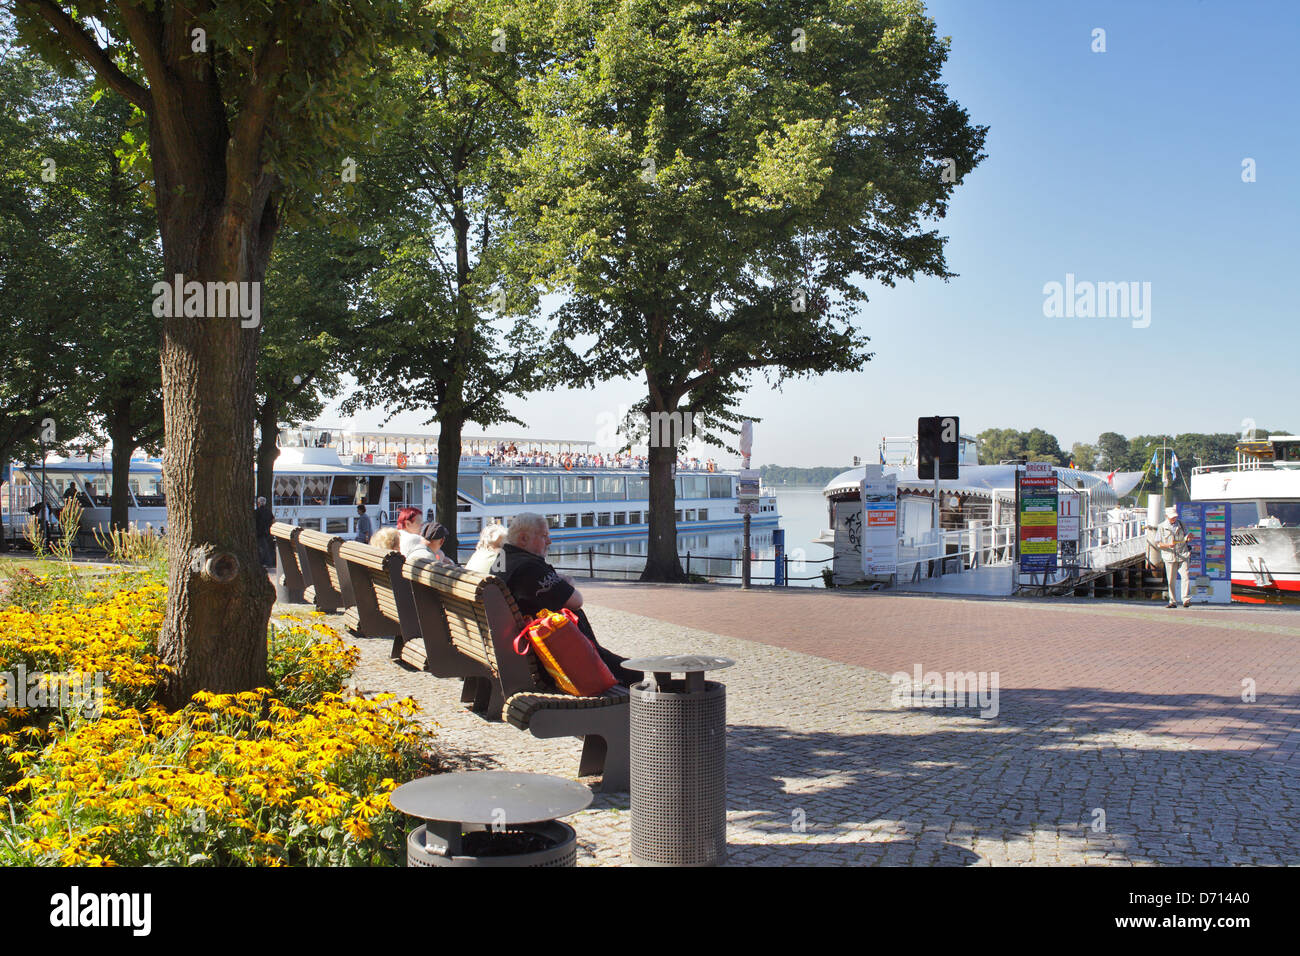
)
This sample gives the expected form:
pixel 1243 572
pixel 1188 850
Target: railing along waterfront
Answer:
pixel 787 564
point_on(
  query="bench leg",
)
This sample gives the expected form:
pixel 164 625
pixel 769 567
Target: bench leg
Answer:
pixel 592 761
pixel 469 690
pixel 618 767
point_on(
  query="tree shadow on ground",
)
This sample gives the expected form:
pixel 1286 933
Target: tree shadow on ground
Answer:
pixel 1070 772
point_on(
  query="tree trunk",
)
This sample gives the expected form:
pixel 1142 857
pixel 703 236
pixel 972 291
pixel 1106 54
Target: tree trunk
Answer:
pixel 219 597
pixel 124 446
pixel 267 449
pixel 662 562
pixel 449 430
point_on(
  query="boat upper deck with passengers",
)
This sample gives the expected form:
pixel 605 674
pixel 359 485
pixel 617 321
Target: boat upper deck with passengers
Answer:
pixel 322 474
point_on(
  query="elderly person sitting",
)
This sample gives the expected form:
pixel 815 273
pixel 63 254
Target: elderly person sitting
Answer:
pixel 486 555
pixel 389 539
pixel 537 586
pixel 432 536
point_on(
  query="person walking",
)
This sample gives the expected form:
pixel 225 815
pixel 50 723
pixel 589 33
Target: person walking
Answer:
pixel 264 517
pixel 1176 552
pixel 364 529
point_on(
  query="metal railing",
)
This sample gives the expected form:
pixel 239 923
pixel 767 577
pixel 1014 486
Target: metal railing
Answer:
pixel 788 563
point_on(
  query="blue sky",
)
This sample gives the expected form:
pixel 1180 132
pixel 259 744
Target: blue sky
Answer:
pixel 1122 166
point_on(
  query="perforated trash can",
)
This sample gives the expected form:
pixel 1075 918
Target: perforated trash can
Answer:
pixel 679 762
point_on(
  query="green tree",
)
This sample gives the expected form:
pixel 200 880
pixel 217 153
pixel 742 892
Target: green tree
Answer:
pixel 43 306
pixel 710 182
pixel 310 333
pixel 248 105
pixel 1000 444
pixel 1112 451
pixel 1041 446
pixel 450 332
pixel 1084 456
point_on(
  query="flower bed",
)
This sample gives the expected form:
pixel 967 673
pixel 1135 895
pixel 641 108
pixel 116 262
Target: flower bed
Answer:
pixel 296 773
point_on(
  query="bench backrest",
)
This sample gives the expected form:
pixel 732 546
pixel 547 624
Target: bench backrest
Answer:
pixel 384 604
pixel 320 552
pixel 293 574
pixel 482 620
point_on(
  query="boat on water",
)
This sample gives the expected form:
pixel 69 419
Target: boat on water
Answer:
pixel 1262 488
pixel 322 474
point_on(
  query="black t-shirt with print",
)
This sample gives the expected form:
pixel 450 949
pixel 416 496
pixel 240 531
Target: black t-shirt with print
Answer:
pixel 534 583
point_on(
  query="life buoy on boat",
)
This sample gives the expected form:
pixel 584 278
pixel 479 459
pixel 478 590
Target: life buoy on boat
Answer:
pixel 401 459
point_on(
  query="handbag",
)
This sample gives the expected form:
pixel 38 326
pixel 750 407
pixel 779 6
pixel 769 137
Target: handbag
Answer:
pixel 566 653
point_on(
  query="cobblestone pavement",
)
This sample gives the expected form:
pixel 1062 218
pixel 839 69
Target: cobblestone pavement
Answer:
pixel 824 769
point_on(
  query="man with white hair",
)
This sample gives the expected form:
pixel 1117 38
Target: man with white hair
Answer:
pixel 537 586
pixel 1176 552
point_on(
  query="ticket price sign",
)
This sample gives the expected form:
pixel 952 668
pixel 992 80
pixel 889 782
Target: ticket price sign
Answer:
pixel 1209 531
pixel 1037 518
pixel 879 522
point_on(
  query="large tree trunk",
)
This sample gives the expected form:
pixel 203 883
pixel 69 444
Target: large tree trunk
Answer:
pixel 267 449
pixel 449 430
pixel 662 562
pixel 219 597
pixel 119 433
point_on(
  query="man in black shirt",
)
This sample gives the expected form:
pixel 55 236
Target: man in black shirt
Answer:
pixel 537 586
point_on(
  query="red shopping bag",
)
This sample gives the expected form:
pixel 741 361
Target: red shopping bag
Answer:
pixel 567 654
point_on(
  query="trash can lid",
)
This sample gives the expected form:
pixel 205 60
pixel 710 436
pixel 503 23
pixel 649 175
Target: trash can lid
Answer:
pixel 678 664
pixel 491 796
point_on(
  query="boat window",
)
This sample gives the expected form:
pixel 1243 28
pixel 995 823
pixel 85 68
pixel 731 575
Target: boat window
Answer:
pixel 589 520
pixel 99 487
pixel 1245 514
pixel 677 487
pixel 690 514
pixel 695 486
pixel 1288 512
pixel 541 489
pixel 634 517
pixel 554 521
pixel 316 489
pixel 704 514
pixel 312 524
pixel 1286 451
pixel 609 488
pixel 604 519
pixel 499 490
pixel 719 487
pixel 344 491
pixel 148 491
pixel 677 515
pixel 578 488
pixel 638 488
pixel 570 521
pixel 372 489
pixel 620 517
pixel 336 525
pixel 286 490
pixel 472 485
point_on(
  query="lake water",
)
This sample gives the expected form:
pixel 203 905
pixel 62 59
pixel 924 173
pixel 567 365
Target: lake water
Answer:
pixel 802 511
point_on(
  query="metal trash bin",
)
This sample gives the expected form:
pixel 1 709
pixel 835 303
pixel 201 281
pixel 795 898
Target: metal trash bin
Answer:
pixel 679 762
pixel 491 818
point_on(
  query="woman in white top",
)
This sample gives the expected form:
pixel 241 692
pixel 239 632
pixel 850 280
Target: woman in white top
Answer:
pixel 489 547
pixel 408 527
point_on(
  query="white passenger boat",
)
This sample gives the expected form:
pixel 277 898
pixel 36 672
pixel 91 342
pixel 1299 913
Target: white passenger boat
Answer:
pixel 1263 489
pixel 322 474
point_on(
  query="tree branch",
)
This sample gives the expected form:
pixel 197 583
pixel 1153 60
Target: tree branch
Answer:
pixel 78 41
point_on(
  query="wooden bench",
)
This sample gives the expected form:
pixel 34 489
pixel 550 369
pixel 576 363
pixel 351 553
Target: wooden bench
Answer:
pixel 290 573
pixel 327 588
pixel 481 621
pixel 380 591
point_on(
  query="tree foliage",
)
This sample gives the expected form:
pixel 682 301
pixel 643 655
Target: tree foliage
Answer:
pixel 711 188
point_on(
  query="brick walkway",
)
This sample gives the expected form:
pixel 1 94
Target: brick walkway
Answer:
pixel 1121 738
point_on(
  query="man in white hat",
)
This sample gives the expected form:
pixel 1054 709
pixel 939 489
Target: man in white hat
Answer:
pixel 1176 552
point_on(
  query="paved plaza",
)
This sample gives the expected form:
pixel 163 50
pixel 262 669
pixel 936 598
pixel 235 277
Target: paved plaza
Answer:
pixel 1120 738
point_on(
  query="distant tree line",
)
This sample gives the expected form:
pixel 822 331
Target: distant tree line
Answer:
pixel 789 475
pixel 1111 451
